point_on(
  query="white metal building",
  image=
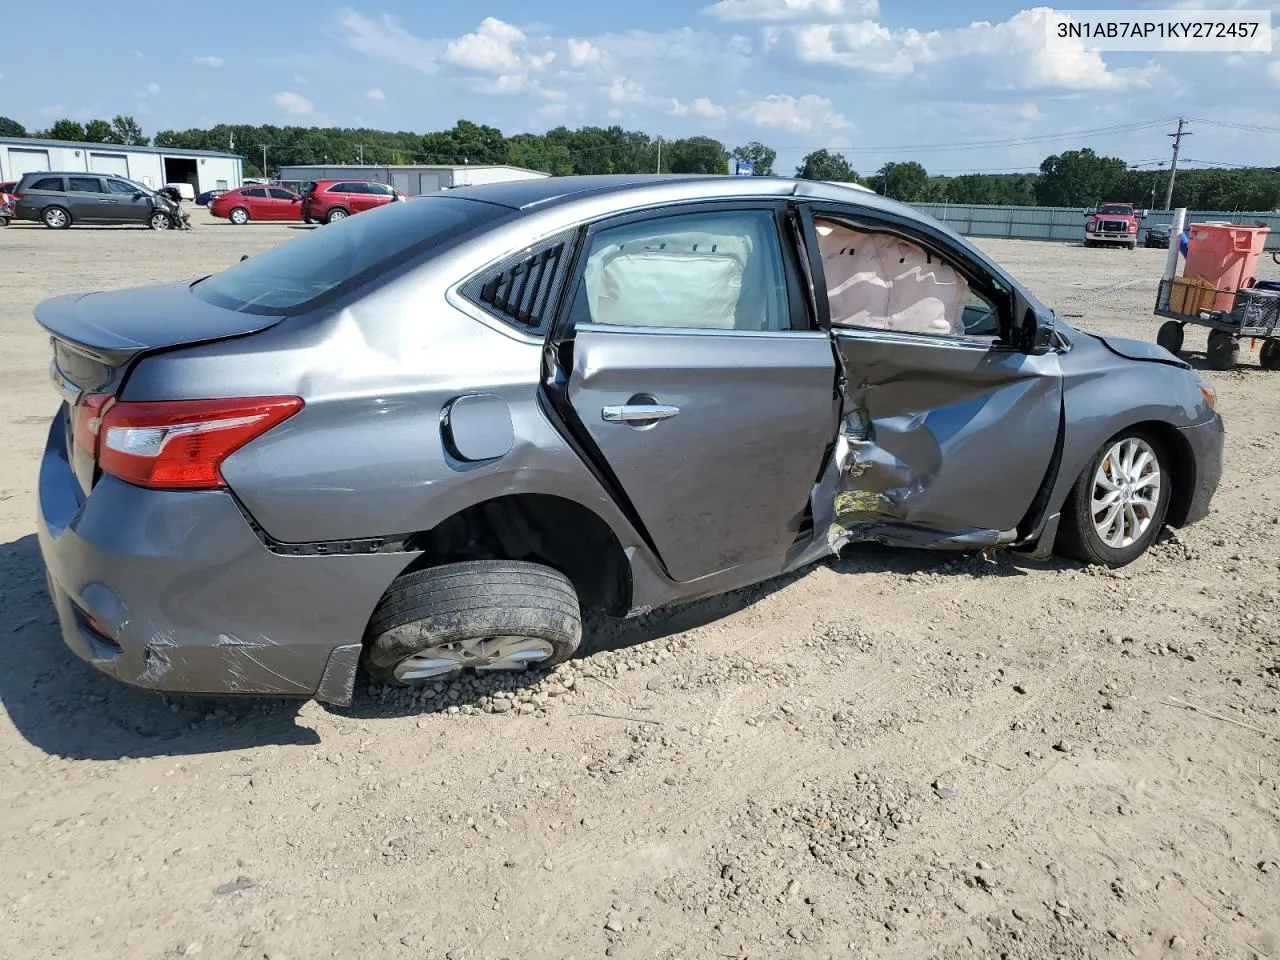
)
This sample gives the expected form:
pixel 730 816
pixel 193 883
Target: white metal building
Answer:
pixel 413 179
pixel 152 166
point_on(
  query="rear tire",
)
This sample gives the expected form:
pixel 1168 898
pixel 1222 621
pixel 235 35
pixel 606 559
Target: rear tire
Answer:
pixel 437 622
pixel 1170 336
pixel 1224 350
pixel 1079 537
pixel 239 216
pixel 1269 355
pixel 56 218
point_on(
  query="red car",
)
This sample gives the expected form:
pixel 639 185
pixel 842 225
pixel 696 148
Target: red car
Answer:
pixel 330 200
pixel 7 201
pixel 257 203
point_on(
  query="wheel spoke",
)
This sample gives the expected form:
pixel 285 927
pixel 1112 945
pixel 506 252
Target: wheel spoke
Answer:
pixel 1126 492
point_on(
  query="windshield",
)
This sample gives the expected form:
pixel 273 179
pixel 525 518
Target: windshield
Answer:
pixel 1115 210
pixel 301 274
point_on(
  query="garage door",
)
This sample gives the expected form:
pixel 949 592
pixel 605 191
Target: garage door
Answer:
pixel 25 161
pixel 428 182
pixel 116 164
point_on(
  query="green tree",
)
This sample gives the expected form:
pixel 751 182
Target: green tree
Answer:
pixel 467 142
pixel 67 130
pixel 758 155
pixel 696 155
pixel 126 131
pixel 825 165
pixel 1079 178
pixel 908 182
pixel 11 128
pixel 98 131
pixel 535 152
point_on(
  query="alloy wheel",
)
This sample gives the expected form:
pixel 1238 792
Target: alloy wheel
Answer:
pixel 1126 492
pixel 481 654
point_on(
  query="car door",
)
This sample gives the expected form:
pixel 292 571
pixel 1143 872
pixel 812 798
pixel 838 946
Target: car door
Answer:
pixel 697 383
pixel 283 204
pixel 254 199
pixel 948 433
pixel 358 197
pixel 125 202
pixel 87 199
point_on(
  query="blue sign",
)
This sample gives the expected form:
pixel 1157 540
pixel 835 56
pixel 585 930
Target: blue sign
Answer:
pixel 744 168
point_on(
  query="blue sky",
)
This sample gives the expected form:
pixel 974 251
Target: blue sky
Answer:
pixel 880 79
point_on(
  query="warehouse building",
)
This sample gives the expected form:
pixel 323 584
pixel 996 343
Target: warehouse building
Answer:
pixel 411 180
pixel 151 166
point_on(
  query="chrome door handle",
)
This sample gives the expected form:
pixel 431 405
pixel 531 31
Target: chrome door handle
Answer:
pixel 631 412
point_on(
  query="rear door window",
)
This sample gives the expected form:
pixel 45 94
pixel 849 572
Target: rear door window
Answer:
pixel 84 185
pixel 255 192
pixel 304 273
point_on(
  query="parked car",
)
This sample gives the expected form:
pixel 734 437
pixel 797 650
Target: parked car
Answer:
pixel 329 200
pixel 257 203
pixel 184 190
pixel 1158 235
pixel 426 438
pixel 204 199
pixel 59 200
pixel 6 201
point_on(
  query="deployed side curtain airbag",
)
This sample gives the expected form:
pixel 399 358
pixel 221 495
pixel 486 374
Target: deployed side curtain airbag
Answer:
pixel 669 279
pixel 879 281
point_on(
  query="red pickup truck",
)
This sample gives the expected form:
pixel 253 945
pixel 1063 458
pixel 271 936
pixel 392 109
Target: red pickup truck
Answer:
pixel 1112 223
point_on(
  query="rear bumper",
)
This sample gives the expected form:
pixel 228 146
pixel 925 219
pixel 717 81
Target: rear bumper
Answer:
pixel 1206 443
pixel 173 591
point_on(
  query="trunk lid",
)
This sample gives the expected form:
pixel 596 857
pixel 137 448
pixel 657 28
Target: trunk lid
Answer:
pixel 97 336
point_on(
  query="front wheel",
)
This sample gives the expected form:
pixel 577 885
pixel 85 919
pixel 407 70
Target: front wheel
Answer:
pixel 160 221
pixel 1170 336
pixel 1117 507
pixel 482 615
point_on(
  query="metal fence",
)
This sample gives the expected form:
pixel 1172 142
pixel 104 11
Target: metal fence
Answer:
pixel 1067 223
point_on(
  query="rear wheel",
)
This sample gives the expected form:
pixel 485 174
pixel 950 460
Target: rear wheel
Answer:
pixel 1170 336
pixel 482 615
pixel 1269 355
pixel 336 214
pixel 1117 507
pixel 56 218
pixel 239 216
pixel 1224 350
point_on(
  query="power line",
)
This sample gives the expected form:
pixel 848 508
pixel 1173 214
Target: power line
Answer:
pixel 1003 142
pixel 1232 125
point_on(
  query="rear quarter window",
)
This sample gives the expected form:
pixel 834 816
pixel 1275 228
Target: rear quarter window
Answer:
pixel 305 273
pixel 47 183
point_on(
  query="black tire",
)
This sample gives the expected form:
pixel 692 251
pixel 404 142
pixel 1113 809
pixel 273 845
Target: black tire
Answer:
pixel 1269 355
pixel 160 221
pixel 1077 537
pixel 336 214
pixel 1224 350
pixel 465 601
pixel 307 220
pixel 1170 336
pixel 1133 245
pixel 238 215
pixel 55 217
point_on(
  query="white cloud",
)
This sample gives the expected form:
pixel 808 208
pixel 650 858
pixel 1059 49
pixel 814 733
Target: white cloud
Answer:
pixel 505 84
pixel 208 61
pixel 492 48
pixel 1273 71
pixel 776 11
pixel 583 53
pixel 376 95
pixel 623 90
pixel 384 39
pixel 150 90
pixel 293 103
pixel 806 114
pixel 699 107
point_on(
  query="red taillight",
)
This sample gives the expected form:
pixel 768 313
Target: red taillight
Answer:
pixel 180 444
pixel 88 421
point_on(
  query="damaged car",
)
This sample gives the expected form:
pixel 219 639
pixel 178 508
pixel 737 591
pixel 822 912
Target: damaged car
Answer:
pixel 426 439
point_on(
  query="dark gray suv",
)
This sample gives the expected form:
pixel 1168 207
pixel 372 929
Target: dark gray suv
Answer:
pixel 60 199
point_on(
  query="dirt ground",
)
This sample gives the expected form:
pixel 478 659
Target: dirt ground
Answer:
pixel 892 755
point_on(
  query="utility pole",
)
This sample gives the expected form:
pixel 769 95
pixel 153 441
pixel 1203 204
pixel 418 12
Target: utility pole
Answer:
pixel 264 159
pixel 659 153
pixel 360 147
pixel 1173 167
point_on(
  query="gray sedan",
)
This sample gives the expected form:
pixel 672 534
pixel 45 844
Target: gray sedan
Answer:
pixel 425 439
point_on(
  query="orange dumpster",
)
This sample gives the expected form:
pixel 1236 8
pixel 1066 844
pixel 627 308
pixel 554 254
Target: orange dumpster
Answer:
pixel 1226 257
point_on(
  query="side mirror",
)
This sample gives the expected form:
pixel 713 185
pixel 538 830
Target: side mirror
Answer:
pixel 138 195
pixel 1033 331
